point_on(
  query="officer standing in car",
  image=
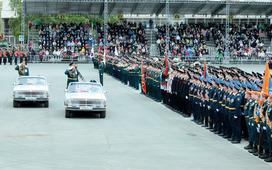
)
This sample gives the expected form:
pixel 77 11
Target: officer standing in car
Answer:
pixel 22 69
pixel 71 74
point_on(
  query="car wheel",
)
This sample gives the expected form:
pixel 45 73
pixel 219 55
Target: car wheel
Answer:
pixel 103 114
pixel 71 114
pixel 67 114
pixel 46 104
pixel 15 104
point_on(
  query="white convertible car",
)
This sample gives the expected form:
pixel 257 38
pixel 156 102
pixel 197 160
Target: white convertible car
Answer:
pixel 31 89
pixel 86 97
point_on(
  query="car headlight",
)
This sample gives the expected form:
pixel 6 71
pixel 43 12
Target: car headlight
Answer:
pixel 16 93
pixel 69 102
pixel 103 103
pixel 45 94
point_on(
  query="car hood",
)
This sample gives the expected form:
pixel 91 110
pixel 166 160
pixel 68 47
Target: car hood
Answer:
pixel 85 96
pixel 31 88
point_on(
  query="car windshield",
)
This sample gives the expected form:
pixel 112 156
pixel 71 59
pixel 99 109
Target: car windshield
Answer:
pixel 85 87
pixel 39 81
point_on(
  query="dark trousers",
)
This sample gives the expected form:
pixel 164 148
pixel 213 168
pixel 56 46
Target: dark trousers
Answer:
pixel 101 78
pixel 15 61
pixel 227 124
pixel 237 128
pixel 244 127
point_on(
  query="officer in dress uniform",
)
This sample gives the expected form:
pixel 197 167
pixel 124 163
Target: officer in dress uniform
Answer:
pixel 10 56
pixel 5 56
pixel 22 69
pixel 249 101
pixel 235 114
pixel 16 57
pixel 71 74
pixel 101 71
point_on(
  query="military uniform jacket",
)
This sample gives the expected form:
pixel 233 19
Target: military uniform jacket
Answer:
pixel 71 74
pixel 235 104
pixel 22 71
pixel 191 92
pixel 269 117
pixel 262 115
pixel 215 99
pixel 252 106
pixel 246 108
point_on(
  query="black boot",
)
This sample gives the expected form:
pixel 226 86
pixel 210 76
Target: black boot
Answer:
pixel 253 150
pixel 249 146
pixel 269 159
pixel 264 155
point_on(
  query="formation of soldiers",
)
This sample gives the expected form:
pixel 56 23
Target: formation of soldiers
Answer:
pixel 10 56
pixel 225 101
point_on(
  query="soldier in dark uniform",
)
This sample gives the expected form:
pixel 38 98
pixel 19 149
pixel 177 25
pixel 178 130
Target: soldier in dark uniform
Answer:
pixel 5 56
pixel 249 100
pixel 101 71
pixel 16 57
pixel 10 56
pixel 235 114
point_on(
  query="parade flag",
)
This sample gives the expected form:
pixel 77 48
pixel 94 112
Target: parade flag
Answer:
pixel 19 47
pixel 206 74
pixel 266 89
pixel 165 71
pixel 143 80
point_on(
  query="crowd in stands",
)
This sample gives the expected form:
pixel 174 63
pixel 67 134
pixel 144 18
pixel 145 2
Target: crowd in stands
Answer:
pixel 127 37
pixel 63 37
pixel 185 40
pixel 244 39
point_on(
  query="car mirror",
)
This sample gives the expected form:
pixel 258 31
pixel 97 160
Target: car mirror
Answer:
pixel 105 92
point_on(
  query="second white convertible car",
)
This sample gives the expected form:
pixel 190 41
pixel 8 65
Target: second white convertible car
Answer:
pixel 31 89
pixel 86 97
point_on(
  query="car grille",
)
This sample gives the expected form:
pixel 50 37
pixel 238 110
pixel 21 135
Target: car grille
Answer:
pixel 31 94
pixel 86 102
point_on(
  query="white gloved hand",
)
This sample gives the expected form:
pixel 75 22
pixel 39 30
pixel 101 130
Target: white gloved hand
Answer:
pixel 200 105
pixel 195 102
pixel 252 124
pixel 258 130
pixel 259 125
pixel 249 123
pixel 204 105
pixel 209 107
pixel 186 97
pixel 235 117
pixel 217 110
pixel 264 128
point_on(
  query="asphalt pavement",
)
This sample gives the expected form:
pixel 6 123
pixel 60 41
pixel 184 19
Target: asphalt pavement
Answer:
pixel 138 133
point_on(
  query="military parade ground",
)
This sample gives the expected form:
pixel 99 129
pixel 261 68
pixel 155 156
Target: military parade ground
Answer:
pixel 138 133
